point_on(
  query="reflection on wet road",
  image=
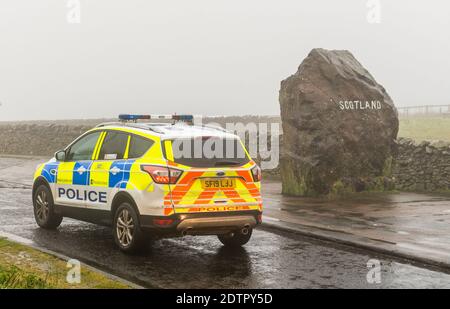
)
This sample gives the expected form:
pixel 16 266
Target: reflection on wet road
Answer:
pixel 270 260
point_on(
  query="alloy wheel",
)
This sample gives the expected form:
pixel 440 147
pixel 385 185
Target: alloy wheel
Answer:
pixel 42 207
pixel 125 228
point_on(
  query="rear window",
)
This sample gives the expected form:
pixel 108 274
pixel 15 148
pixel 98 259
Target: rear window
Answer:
pixel 138 146
pixel 114 146
pixel 207 151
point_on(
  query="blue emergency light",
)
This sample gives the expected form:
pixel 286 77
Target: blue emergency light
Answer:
pixel 127 117
pixel 130 117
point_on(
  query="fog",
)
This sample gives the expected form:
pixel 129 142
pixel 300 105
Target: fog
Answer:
pixel 210 57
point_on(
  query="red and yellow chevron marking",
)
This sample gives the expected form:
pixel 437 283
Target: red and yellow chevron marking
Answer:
pixel 189 196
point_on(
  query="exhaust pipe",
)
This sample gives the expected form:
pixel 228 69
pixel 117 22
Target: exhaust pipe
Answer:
pixel 186 231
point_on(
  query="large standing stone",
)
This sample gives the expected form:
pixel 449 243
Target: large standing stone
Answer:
pixel 339 127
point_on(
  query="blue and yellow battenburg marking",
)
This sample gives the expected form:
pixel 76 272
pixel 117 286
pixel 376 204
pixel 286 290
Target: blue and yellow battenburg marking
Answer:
pixel 126 173
pixel 81 172
pixel 86 173
pixel 116 178
pixel 49 171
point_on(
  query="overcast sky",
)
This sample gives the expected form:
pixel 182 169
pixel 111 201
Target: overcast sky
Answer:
pixel 206 57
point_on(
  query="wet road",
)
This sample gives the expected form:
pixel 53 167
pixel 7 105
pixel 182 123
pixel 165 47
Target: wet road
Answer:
pixel 269 260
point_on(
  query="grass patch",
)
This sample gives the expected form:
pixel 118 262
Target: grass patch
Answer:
pixel 22 267
pixel 421 128
pixel 12 277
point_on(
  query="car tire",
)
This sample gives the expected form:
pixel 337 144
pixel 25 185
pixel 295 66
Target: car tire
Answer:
pixel 44 209
pixel 235 239
pixel 127 232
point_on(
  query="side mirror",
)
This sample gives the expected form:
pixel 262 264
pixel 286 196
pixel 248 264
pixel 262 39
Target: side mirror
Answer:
pixel 60 155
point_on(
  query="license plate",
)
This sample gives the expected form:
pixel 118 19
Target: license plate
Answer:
pixel 219 183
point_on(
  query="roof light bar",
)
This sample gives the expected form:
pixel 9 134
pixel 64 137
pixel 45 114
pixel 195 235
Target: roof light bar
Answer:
pixel 130 117
pixel 127 117
pixel 188 118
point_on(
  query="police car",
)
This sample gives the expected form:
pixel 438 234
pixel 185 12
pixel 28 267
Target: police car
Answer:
pixel 151 180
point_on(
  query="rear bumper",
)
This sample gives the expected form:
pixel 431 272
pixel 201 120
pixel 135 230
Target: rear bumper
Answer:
pixel 213 223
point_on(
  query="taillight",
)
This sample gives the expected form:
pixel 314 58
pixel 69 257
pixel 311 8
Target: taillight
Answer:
pixel 256 173
pixel 161 174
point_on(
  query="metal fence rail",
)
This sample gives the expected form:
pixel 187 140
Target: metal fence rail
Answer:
pixel 424 110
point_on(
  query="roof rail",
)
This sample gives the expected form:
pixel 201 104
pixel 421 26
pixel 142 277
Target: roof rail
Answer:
pixel 219 128
pixel 144 126
pixel 104 124
pixel 156 127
